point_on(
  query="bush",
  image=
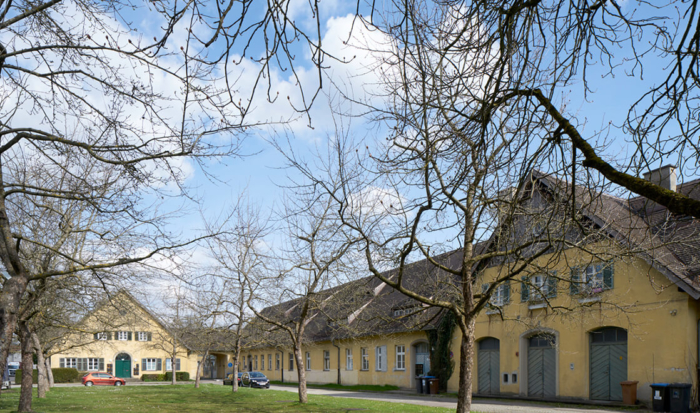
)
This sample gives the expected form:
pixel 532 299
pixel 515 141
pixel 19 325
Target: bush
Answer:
pixel 179 376
pixel 153 377
pixel 60 375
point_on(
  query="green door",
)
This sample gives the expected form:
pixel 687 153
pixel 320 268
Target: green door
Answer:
pixel 122 366
pixel 488 362
pixel 541 366
pixel 608 363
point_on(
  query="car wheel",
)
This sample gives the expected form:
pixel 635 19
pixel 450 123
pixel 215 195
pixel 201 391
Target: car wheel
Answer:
pixel 88 383
pixel 117 383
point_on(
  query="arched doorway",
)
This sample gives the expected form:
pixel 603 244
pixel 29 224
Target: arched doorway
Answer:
pixel 122 365
pixel 541 366
pixel 488 364
pixel 422 358
pixel 608 363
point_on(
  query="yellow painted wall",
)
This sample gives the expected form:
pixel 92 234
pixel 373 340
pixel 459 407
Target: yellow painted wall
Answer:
pixel 392 376
pixel 128 318
pixel 661 322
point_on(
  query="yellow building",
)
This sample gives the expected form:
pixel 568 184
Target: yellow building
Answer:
pixel 574 330
pixel 124 338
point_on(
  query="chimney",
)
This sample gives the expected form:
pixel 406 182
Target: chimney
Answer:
pixel 664 176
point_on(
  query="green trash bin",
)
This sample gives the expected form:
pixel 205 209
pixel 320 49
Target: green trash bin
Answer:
pixel 679 397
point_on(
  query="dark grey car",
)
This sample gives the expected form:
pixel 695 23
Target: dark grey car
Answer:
pixel 255 379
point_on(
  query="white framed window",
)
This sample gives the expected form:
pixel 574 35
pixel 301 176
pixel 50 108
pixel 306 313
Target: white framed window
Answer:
pixel 308 361
pixel 122 335
pixel 69 362
pixel 101 336
pixel 142 336
pixel 150 364
pixel 594 278
pixel 539 287
pixel 255 362
pixel 348 359
pixel 291 362
pixel 500 295
pixel 401 357
pixel 277 361
pixel 93 364
pixel 365 359
pixel 326 360
pixel 380 353
pixel 169 364
pixel 262 362
pixel 269 362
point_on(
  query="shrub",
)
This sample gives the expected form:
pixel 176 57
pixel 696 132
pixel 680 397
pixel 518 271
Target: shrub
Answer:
pixel 60 375
pixel 179 376
pixel 153 377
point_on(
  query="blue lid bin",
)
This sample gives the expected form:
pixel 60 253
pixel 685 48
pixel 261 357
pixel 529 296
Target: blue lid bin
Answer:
pixel 659 398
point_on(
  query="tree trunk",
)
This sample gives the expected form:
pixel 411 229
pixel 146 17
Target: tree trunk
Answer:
pixel 200 366
pixel 466 364
pixel 49 372
pixel 301 374
pixel 43 379
pixel 12 291
pixel 236 358
pixel 25 395
pixel 173 365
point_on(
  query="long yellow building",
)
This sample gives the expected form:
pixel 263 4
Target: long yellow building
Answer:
pixel 619 317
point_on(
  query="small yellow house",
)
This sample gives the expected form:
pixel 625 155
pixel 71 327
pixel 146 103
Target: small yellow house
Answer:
pixel 124 338
pixel 575 328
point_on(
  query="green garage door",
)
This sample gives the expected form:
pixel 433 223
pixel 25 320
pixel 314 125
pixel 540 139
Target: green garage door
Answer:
pixel 541 366
pixel 488 364
pixel 608 363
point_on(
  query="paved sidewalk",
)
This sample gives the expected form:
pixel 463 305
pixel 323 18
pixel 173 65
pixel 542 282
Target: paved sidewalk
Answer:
pixel 479 405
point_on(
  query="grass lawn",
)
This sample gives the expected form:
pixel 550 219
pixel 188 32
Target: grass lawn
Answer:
pixel 334 386
pixel 208 398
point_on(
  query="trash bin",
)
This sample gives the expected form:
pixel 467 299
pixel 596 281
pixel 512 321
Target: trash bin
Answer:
pixel 629 392
pixel 434 385
pixel 426 384
pixel 659 397
pixel 679 397
pixel 419 384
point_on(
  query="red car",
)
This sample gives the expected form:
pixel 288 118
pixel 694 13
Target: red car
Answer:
pixel 102 379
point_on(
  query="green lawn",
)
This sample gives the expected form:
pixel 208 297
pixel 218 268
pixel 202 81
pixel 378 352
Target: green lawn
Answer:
pixel 185 398
pixel 333 386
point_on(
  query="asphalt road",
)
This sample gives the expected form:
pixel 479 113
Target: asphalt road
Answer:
pixel 480 405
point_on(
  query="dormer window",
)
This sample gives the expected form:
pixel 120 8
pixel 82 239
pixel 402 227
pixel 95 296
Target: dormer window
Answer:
pixel 407 311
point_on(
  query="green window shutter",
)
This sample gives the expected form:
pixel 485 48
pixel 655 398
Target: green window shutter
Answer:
pixel 102 364
pixel 575 280
pixel 130 336
pixel 62 363
pixel 143 364
pixel 506 292
pixel 552 285
pixel 524 289
pixel 159 364
pixel 149 337
pixel 608 276
pixel 95 336
pixel 109 335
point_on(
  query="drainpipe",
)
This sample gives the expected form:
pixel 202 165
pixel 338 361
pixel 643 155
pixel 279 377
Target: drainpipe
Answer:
pixel 338 347
pixel 281 363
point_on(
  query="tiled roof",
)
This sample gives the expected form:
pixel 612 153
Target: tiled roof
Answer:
pixel 669 243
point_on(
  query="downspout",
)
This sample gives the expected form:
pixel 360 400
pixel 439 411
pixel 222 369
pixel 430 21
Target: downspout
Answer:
pixel 281 363
pixel 338 347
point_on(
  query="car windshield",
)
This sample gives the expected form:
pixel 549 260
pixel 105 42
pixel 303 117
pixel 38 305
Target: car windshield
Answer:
pixel 256 375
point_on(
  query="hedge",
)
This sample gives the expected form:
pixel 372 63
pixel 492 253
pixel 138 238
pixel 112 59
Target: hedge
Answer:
pixel 179 376
pixel 60 375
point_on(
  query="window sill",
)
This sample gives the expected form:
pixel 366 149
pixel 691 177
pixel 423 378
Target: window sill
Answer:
pixel 400 369
pixel 537 306
pixel 364 369
pixel 586 300
pixel 492 312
